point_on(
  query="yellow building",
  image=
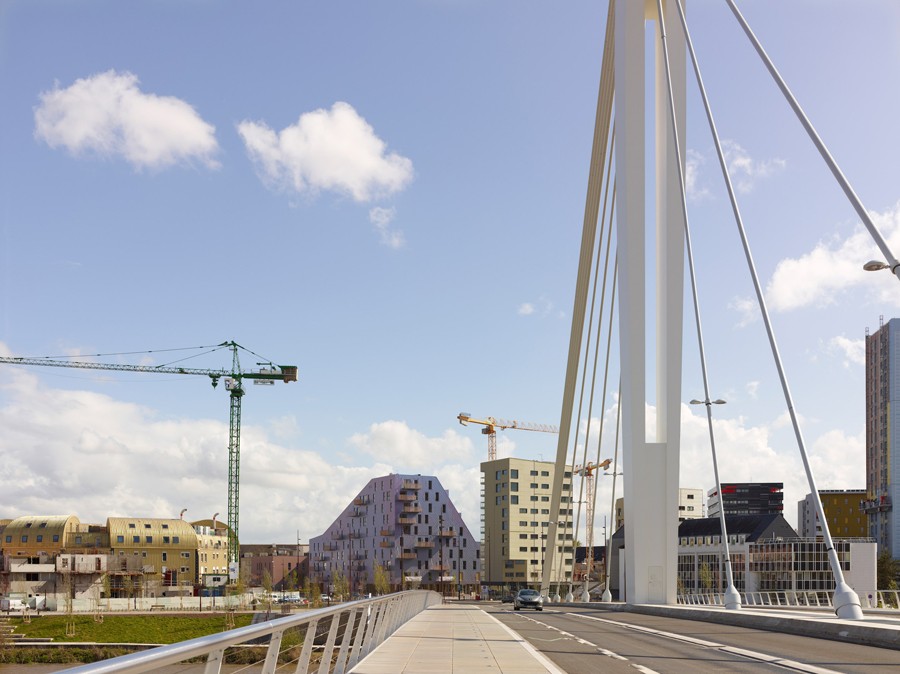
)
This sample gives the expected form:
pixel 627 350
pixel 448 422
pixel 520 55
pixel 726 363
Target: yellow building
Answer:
pixel 149 555
pixel 212 547
pixel 517 516
pixel 36 536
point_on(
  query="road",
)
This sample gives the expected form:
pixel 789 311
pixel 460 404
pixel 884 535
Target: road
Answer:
pixel 582 641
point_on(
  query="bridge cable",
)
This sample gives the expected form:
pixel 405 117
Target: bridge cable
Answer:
pixel 846 601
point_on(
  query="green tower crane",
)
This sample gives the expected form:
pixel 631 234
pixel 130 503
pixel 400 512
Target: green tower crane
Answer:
pixel 233 384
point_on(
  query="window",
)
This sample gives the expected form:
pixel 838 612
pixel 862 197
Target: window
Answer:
pixel 165 539
pixel 24 539
pixel 165 526
pixel 148 539
pixel 131 525
pixel 9 539
pixel 175 540
pixel 135 539
pixel 56 538
pixel 514 499
pixel 40 538
pixel 120 539
pixel 514 474
pixel 146 526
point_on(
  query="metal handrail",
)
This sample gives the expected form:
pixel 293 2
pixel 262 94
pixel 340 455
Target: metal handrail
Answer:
pixel 369 622
pixel 888 599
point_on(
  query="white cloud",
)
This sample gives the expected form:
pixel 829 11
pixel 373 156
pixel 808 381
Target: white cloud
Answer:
pixel 82 453
pixel 542 307
pixel 396 443
pixel 108 115
pixel 334 150
pixel 747 310
pixel 382 217
pixel 834 267
pixel 853 351
pixel 692 167
pixel 752 389
pixel 745 171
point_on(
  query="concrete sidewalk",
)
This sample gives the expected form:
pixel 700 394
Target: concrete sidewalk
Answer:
pixel 455 639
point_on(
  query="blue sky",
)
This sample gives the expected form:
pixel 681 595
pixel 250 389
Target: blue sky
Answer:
pixel 390 196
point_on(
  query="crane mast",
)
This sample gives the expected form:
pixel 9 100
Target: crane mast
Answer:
pixel 233 384
pixel 587 472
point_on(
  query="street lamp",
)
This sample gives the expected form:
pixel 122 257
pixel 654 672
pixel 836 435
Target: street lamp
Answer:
pixel 732 596
pixel 878 265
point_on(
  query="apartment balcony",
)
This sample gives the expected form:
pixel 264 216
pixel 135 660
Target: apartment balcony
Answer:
pixel 407 519
pixel 386 544
pixel 386 532
pixel 406 497
pixel 358 512
pixel 413 485
pixel 406 555
pixel 362 500
pixel 425 544
pixel 448 533
pixel 412 509
pixel 439 567
pixel 339 535
pixel 330 546
pixel 31 568
pixel 356 535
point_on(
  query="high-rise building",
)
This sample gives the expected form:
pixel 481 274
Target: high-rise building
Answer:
pixel 747 498
pixel 405 526
pixel 843 512
pixel 517 517
pixel 883 435
pixel 690 506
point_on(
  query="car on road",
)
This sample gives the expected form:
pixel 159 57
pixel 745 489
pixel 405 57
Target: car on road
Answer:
pixel 528 599
pixel 508 599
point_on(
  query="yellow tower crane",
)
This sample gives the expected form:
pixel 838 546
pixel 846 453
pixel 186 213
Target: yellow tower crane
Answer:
pixel 491 425
pixel 587 472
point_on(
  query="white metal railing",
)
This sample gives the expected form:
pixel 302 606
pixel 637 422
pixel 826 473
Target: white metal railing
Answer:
pixel 879 599
pixel 330 639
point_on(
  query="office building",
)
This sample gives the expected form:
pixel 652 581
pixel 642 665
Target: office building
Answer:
pixel 746 498
pixel 883 435
pixel 843 512
pixel 767 555
pixel 404 526
pixel 690 506
pixel 516 503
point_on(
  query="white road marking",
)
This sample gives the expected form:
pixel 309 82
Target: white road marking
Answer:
pixel 600 649
pixel 702 643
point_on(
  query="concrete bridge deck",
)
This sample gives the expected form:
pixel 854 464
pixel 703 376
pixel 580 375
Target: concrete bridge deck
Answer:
pixel 455 639
pixel 462 638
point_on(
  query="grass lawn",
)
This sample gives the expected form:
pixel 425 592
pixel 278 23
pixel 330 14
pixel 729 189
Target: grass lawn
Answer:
pixel 140 629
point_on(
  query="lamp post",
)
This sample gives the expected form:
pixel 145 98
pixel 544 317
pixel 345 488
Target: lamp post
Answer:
pixel 732 596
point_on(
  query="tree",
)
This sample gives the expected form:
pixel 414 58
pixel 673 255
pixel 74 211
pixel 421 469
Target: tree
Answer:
pixel 267 586
pixel 888 570
pixel 341 586
pixel 382 580
pixel 706 576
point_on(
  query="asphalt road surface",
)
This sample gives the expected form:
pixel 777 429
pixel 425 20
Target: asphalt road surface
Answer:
pixel 583 641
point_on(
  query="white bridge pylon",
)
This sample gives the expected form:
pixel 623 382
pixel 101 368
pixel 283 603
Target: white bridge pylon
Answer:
pixel 650 458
